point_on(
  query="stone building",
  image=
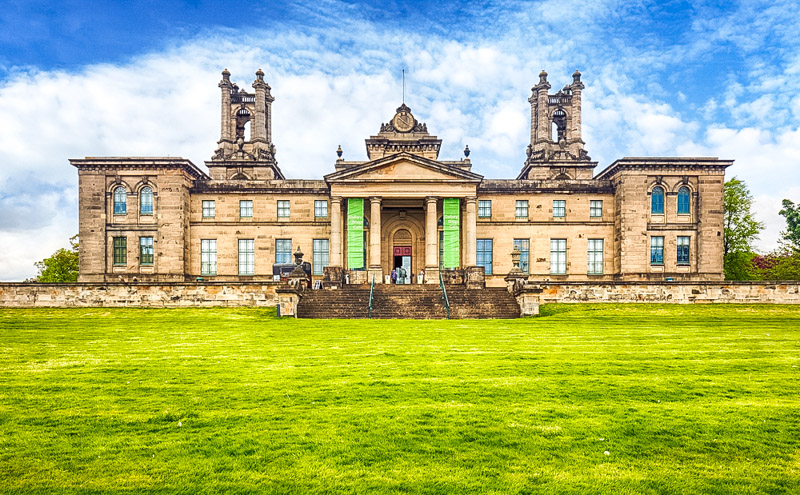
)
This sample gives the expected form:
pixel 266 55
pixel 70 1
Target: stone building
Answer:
pixel 165 219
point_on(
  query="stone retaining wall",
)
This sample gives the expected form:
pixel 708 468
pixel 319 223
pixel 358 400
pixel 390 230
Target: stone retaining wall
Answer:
pixel 667 292
pixel 183 294
pixel 143 295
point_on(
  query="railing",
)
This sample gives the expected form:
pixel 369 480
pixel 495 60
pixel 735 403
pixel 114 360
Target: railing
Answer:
pixel 371 290
pixel 444 295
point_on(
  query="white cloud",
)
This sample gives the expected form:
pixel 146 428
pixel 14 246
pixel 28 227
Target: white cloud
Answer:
pixel 335 86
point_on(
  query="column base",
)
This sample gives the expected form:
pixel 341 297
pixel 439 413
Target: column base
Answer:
pixel 431 274
pixel 376 272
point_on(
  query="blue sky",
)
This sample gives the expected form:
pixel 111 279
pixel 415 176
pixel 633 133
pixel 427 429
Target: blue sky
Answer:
pixel 673 78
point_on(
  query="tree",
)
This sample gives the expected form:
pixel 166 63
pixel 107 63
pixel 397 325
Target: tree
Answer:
pixel 62 266
pixel 791 235
pixel 741 230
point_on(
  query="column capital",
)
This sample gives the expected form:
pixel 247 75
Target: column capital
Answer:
pixel 375 199
pixel 471 199
pixel 336 199
pixel 431 199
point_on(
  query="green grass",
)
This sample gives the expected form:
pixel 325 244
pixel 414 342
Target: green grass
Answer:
pixel 685 399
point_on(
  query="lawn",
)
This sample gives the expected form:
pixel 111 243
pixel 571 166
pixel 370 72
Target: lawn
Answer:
pixel 583 399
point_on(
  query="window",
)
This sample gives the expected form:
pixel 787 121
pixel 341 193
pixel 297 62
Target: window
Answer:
pixel 209 209
pixel 485 254
pixel 246 208
pixel 283 250
pixel 523 245
pixel 145 250
pixel 559 208
pixel 558 256
pixel 146 201
pixel 522 208
pixel 120 250
pixel 596 208
pixel 657 250
pixel 321 254
pixel 683 201
pixel 283 209
pixel 595 257
pixel 683 250
pixel 120 201
pixel 321 209
pixel 657 201
pixel 208 256
pixel 247 257
pixel 484 208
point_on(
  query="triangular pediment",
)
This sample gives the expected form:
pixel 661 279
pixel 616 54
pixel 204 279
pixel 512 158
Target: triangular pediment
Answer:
pixel 403 167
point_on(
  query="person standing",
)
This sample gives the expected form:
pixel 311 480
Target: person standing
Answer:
pixel 394 275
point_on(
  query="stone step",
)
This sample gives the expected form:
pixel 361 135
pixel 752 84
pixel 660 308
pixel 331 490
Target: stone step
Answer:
pixel 408 301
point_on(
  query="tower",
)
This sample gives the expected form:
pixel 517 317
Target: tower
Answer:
pixel 556 148
pixel 245 150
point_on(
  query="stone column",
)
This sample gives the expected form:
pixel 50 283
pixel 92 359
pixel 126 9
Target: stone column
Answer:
pixel 544 133
pixel 225 117
pixel 576 87
pixel 336 231
pixel 431 242
pixel 375 240
pixel 258 124
pixel 470 229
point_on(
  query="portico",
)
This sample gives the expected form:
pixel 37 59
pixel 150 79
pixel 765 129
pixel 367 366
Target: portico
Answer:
pixel 405 196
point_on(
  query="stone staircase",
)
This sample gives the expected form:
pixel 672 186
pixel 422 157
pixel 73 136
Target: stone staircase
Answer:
pixel 408 301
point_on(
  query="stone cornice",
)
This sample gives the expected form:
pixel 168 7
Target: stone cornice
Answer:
pixel 148 163
pixel 511 186
pixel 677 164
pixel 292 186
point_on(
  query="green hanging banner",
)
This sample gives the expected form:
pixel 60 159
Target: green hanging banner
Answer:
pixel 355 233
pixel 452 235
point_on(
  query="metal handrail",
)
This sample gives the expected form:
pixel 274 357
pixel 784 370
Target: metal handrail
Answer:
pixel 444 295
pixel 371 289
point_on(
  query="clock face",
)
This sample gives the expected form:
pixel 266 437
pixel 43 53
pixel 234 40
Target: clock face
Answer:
pixel 403 121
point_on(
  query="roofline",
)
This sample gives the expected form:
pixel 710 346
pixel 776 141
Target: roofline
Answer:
pixel 663 161
pixel 139 162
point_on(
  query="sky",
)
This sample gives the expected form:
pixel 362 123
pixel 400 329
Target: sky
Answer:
pixel 139 78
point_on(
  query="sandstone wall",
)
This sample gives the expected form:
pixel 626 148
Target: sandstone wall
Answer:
pixel 668 292
pixel 161 295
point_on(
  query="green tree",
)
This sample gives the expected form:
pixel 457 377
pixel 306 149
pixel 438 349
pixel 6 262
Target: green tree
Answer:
pixel 62 266
pixel 791 235
pixel 741 230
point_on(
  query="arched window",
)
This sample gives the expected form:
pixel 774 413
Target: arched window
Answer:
pixel 146 201
pixel 120 201
pixel 657 200
pixel 559 125
pixel 683 201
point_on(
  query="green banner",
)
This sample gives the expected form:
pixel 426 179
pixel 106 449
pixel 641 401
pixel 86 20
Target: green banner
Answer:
pixel 355 233
pixel 452 235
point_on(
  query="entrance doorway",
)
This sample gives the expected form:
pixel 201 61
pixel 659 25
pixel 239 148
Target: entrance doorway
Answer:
pixel 402 263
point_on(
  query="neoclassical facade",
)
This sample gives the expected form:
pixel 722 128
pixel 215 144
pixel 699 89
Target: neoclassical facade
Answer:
pixel 165 219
